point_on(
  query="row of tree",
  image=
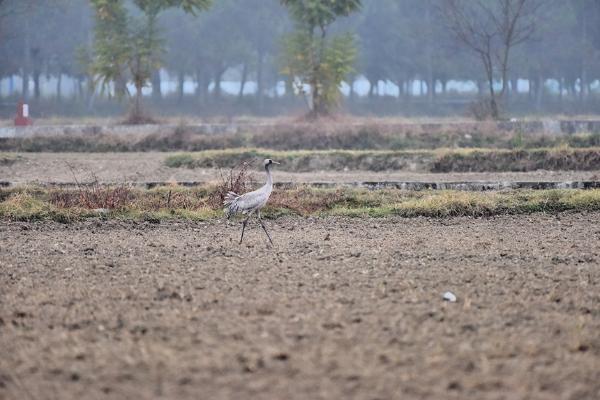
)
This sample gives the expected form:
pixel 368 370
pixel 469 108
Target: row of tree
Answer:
pixel 312 45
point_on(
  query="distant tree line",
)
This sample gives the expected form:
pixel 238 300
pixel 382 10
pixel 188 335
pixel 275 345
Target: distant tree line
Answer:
pixel 420 47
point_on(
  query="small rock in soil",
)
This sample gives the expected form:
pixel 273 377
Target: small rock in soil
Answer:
pixel 449 296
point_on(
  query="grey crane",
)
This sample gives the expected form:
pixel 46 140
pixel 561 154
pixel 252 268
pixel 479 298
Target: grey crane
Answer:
pixel 251 202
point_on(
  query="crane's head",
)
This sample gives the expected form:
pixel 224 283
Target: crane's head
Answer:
pixel 269 162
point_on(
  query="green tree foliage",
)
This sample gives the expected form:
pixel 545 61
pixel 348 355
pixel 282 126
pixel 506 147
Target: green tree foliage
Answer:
pixel 112 46
pixel 129 49
pixel 313 58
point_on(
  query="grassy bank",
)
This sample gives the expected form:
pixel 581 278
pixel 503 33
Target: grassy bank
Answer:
pixel 444 160
pixel 36 204
pixel 7 159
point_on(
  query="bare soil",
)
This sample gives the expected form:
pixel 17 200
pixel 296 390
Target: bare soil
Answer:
pixel 339 308
pixel 149 167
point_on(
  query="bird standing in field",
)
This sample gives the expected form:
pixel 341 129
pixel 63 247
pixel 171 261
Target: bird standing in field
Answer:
pixel 251 202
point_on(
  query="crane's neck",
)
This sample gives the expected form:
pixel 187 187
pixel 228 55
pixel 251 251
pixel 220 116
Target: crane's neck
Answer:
pixel 269 178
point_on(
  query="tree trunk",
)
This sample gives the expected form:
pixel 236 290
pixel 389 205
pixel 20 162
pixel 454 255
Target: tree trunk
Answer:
pixel 584 59
pixel 27 63
pixel 480 88
pixel 289 87
pixel 560 92
pixel 430 90
pixel 583 87
pixel 180 86
pixel 91 102
pixel 572 89
pixel 25 84
pixel 243 81
pixel 429 52
pixel 121 87
pixel 199 83
pixel 156 85
pixel 203 81
pixel 531 91
pixel 137 114
pixel 539 92
pixel 431 86
pixel 218 77
pixel 371 88
pixel 59 87
pixel 317 107
pixel 514 88
pixel 36 85
pixel 489 70
pixel 79 88
pixel 401 87
pixel 260 90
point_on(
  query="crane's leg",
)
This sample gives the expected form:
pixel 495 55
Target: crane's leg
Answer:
pixel 264 228
pixel 244 227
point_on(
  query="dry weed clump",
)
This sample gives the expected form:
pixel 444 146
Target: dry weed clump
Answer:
pixel 307 201
pixel 93 197
pixel 175 198
pixel 238 180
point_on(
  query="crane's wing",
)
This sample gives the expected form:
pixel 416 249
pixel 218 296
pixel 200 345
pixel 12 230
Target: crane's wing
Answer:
pixel 235 203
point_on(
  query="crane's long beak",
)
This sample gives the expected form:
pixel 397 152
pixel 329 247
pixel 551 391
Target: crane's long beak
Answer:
pixel 275 162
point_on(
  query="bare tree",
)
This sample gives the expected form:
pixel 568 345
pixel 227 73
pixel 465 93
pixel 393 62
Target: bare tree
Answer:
pixel 491 29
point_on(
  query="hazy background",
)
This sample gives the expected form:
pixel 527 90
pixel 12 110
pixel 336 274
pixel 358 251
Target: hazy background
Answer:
pixel 227 61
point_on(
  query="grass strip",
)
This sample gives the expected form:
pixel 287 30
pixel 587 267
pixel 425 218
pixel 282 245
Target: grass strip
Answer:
pixel 177 203
pixel 442 160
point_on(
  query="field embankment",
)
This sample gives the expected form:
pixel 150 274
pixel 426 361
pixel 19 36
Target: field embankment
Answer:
pixel 445 160
pixel 122 202
pixel 318 136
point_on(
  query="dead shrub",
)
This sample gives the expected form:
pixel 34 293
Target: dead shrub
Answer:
pixel 136 116
pixel 93 195
pixel 96 196
pixel 480 109
pixel 238 180
pixel 183 200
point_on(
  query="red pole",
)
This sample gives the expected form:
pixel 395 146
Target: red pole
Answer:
pixel 22 118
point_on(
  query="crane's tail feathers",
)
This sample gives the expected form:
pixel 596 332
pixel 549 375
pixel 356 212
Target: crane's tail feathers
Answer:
pixel 230 198
pixel 230 204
